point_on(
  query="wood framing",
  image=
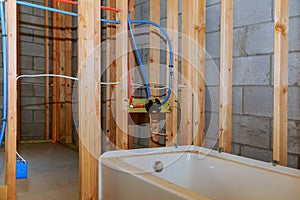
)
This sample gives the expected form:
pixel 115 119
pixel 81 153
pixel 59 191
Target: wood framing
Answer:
pixel 121 89
pixel 131 67
pixel 89 63
pixel 3 192
pixel 11 130
pixel 187 94
pixel 199 75
pixel 172 117
pixel 226 45
pixel 154 75
pixel 47 57
pixel 281 27
pixel 110 77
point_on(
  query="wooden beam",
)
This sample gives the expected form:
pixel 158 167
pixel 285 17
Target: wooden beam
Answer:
pixel 89 63
pixel 121 89
pixel 11 131
pixel 172 117
pixel 199 75
pixel 55 93
pixel 110 77
pixel 281 50
pixel 68 72
pixel 131 66
pixel 154 76
pixel 3 192
pixel 47 58
pixel 225 116
pixel 187 95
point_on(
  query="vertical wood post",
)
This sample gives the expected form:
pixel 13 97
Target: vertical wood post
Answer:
pixel 225 116
pixel 121 89
pixel 89 63
pixel 187 94
pixel 154 76
pixel 172 117
pixel 111 77
pixel 11 131
pixel 199 75
pixel 281 28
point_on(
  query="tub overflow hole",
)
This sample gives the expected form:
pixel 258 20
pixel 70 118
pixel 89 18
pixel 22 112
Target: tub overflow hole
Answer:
pixel 158 166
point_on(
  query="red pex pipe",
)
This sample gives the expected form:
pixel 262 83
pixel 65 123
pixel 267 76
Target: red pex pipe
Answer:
pixel 68 2
pixel 110 9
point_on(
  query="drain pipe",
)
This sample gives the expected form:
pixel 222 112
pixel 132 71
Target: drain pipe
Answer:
pixel 5 68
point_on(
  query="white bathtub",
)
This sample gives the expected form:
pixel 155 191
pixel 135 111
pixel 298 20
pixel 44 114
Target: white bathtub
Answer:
pixel 190 172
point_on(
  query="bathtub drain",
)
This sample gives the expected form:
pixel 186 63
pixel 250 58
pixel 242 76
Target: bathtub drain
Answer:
pixel 158 166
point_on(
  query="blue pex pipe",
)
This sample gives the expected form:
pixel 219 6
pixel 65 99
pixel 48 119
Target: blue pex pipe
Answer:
pixel 139 58
pixel 171 54
pixel 5 74
pixel 46 8
pixel 110 21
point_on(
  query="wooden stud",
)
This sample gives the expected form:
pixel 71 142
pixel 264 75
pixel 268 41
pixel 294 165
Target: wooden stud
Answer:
pixel 281 50
pixel 11 131
pixel 122 67
pixel 199 71
pixel 55 94
pixel 18 72
pixel 172 117
pixel 186 100
pixel 111 77
pixel 68 72
pixel 3 192
pixel 89 63
pixel 47 111
pixel 131 63
pixel 154 76
pixel 226 43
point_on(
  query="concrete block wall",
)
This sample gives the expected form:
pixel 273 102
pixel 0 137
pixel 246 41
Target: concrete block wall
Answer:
pixel 32 61
pixel 252 76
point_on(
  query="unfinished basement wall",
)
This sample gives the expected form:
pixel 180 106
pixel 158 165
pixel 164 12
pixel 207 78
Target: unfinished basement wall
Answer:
pixel 252 76
pixel 32 61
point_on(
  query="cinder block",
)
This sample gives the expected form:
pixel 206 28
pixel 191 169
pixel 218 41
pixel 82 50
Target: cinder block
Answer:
pixel 257 153
pixel 39 116
pixel 212 2
pixel 32 49
pixel 26 90
pixel 294 69
pixel 212 125
pixel 213 18
pixel 294 137
pixel 294 38
pixel 26 10
pixel 212 72
pixel 237 100
pixel 210 143
pixel 258 100
pixel 26 116
pixel 163 11
pixel 38 12
pixel 26 62
pixel 33 131
pixel 252 12
pixel 39 90
pixel 212 99
pixel 39 63
pixel 293 161
pixel 254 40
pixel 32 103
pixel 39 37
pixel 294 103
pixel 294 8
pixel 32 19
pixel 142 11
pixel 254 131
pixel 213 45
pixel 253 70
pixel 236 149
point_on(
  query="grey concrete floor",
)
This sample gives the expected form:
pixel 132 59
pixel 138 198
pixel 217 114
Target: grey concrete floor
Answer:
pixel 52 172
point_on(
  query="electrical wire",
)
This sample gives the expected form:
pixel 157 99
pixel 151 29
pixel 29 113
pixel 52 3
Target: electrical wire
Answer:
pixel 5 72
pixel 171 54
pixel 68 2
pixel 47 75
pixel 141 65
pixel 110 9
pixel 110 21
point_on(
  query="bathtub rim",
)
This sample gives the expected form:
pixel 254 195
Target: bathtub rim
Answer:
pixel 116 156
